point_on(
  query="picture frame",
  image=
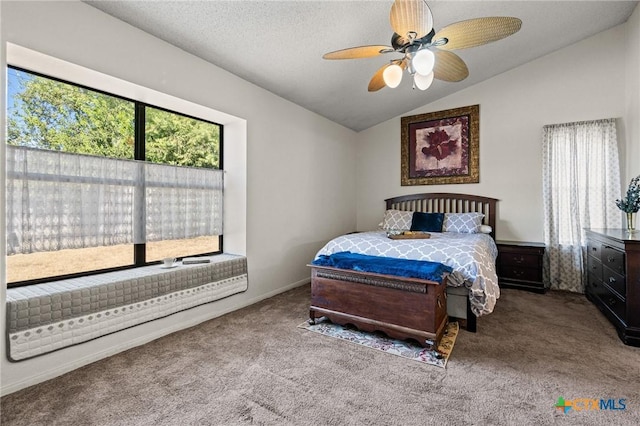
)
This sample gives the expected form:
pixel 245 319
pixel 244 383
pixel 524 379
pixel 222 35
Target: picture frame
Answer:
pixel 441 147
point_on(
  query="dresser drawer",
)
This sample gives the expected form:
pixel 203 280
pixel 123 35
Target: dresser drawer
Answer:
pixel 611 301
pixel 613 259
pixel 593 282
pixel 594 267
pixel 594 248
pixel 616 281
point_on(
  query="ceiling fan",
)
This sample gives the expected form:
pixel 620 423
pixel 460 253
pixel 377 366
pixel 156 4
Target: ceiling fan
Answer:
pixel 427 53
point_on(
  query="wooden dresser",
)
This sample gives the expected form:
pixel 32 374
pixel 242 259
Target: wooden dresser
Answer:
pixel 613 284
pixel 519 265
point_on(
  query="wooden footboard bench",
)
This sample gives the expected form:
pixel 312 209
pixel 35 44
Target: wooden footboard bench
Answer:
pixel 402 308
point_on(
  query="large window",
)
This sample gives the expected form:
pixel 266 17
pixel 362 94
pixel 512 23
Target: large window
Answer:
pixel 580 181
pixel 96 182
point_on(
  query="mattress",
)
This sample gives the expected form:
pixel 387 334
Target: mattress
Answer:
pixel 46 317
pixel 472 257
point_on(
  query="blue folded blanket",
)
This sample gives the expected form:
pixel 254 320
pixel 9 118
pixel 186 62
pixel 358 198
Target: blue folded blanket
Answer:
pixel 432 271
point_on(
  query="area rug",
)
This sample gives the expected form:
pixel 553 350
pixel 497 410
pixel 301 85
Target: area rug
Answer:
pixel 380 342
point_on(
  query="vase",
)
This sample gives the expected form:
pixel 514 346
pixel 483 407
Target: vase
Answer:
pixel 631 225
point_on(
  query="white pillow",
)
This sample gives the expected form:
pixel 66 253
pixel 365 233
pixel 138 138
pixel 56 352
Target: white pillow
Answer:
pixel 466 223
pixel 485 229
pixel 397 220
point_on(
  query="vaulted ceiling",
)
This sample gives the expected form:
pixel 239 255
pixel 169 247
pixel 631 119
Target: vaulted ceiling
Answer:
pixel 278 45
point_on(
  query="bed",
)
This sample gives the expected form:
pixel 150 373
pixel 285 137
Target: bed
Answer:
pixel 397 305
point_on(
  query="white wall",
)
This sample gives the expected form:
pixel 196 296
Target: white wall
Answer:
pixel 584 81
pixel 290 185
pixel 632 117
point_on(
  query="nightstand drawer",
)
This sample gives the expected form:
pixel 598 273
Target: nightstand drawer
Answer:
pixel 519 259
pixel 520 273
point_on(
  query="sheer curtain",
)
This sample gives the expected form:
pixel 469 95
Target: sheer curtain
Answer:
pixel 581 181
pixel 57 201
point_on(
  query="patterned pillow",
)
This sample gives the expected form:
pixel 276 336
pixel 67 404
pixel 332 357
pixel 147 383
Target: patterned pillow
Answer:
pixel 397 220
pixel 466 223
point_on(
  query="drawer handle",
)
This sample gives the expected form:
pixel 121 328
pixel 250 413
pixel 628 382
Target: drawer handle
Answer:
pixel 611 301
pixel 517 273
pixel 594 249
pixel 611 259
pixel 439 302
pixel 612 280
pixel 518 259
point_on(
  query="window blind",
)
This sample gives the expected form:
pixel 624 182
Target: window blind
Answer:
pixel 57 200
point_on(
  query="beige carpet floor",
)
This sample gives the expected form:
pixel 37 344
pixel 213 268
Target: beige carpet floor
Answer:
pixel 255 366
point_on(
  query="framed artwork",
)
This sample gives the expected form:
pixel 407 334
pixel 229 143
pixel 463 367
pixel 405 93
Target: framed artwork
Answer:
pixel 441 147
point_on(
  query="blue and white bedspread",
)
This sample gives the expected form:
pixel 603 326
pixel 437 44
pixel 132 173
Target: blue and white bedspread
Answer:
pixel 472 257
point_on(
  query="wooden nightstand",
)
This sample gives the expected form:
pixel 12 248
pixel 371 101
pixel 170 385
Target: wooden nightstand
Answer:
pixel 519 265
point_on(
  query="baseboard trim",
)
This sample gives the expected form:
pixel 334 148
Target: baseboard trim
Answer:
pixel 80 362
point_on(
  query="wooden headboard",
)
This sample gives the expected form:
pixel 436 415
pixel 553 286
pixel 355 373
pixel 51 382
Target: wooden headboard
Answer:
pixel 447 203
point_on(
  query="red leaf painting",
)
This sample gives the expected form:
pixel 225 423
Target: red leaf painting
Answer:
pixel 440 146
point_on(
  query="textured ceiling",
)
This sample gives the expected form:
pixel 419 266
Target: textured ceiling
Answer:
pixel 278 45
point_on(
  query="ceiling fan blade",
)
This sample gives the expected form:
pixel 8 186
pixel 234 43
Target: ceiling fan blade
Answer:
pixel 358 52
pixel 449 67
pixel 377 81
pixel 476 32
pixel 411 16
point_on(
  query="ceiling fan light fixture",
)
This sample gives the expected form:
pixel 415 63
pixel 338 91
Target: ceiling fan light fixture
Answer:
pixel 392 75
pixel 422 82
pixel 427 52
pixel 423 61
